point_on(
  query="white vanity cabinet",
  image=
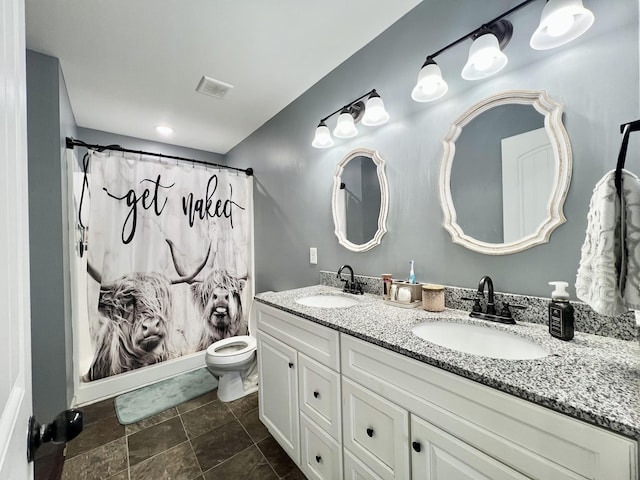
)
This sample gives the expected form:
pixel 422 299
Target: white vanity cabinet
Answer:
pixel 299 394
pixel 465 430
pixel 345 408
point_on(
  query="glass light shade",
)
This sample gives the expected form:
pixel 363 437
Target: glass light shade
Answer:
pixel 323 137
pixel 430 85
pixel 345 128
pixel 485 58
pixel 374 112
pixel 562 21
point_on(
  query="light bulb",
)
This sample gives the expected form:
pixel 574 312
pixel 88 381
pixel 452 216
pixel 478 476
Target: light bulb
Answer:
pixel 561 22
pixel 375 113
pixel 560 25
pixel 322 138
pixel 430 85
pixel 485 58
pixel 164 130
pixel 345 128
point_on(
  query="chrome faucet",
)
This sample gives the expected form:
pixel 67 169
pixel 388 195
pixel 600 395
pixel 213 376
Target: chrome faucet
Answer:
pixel 350 286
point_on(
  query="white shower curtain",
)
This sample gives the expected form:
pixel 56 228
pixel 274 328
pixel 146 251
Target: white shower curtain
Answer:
pixel 170 258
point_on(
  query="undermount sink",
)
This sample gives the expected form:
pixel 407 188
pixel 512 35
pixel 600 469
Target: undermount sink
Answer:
pixel 479 340
pixel 327 301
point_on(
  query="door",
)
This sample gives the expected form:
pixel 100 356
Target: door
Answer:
pixel 15 340
pixel 528 171
pixel 278 392
pixel 436 455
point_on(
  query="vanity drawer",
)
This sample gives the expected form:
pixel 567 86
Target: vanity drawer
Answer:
pixel 320 395
pixel 321 455
pixel 316 341
pixel 376 431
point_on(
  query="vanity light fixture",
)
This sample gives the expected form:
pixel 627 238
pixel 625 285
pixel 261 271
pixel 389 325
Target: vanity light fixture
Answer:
pixel 562 21
pixel 430 86
pixel 485 55
pixel 372 113
pixel 346 126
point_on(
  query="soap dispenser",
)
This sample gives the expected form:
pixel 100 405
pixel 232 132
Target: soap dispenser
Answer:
pixel 560 312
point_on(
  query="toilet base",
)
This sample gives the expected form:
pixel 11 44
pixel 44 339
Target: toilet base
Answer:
pixel 231 386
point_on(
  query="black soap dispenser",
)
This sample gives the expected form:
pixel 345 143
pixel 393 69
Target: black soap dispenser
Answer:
pixel 560 312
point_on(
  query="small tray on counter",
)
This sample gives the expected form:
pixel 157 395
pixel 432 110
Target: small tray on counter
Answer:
pixel 415 304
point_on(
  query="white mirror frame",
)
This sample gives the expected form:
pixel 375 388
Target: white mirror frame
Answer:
pixel 552 112
pixel 338 219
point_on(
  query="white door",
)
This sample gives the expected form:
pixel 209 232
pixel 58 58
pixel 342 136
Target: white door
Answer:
pixel 528 170
pixel 15 339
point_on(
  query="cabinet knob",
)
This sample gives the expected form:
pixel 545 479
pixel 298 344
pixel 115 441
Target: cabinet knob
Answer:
pixel 416 446
pixel 370 432
pixel 290 365
pixel 316 394
pixel 318 458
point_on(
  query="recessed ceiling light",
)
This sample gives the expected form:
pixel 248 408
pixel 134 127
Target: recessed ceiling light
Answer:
pixel 164 130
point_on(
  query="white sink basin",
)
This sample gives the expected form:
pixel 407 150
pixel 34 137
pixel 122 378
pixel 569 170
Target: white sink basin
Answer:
pixel 479 340
pixel 327 301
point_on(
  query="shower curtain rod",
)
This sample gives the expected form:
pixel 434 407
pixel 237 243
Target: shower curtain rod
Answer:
pixel 71 142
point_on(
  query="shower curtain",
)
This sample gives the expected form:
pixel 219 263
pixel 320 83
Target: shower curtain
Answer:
pixel 169 260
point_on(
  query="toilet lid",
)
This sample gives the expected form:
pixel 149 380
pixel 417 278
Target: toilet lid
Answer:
pixel 232 346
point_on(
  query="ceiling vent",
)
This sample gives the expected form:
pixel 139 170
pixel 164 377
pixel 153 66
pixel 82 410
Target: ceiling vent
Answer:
pixel 212 87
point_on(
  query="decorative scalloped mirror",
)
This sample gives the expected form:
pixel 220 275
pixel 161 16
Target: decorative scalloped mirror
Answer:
pixel 505 190
pixel 360 200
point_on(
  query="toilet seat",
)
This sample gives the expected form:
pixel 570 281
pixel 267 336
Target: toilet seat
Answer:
pixel 220 354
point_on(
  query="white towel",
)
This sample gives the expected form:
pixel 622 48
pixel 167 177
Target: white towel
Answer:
pixel 608 278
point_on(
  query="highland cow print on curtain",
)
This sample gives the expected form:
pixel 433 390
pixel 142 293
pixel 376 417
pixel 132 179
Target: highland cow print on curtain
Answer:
pixel 169 258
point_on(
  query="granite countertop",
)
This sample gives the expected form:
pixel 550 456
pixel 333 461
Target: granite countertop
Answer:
pixel 592 378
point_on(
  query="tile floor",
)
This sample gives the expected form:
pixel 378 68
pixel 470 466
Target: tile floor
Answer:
pixel 202 439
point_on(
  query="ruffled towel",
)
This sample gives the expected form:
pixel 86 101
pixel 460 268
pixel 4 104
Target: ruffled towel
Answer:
pixel 608 278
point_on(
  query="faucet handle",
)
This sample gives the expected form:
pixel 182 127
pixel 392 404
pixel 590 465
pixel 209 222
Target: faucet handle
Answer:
pixel 476 303
pixel 506 309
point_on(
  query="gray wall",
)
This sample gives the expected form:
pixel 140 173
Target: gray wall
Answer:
pixel 98 137
pixel 596 77
pixel 49 120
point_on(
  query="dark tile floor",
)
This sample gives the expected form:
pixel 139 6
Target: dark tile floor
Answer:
pixel 202 439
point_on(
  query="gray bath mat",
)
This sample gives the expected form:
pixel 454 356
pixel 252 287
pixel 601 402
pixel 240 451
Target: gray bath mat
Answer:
pixel 139 404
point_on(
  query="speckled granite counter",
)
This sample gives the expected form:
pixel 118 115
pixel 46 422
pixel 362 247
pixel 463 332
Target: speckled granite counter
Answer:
pixel 592 378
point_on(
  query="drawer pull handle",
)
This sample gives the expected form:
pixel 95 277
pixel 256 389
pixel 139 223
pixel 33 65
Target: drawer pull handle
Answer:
pixel 416 446
pixel 316 394
pixel 370 432
pixel 290 365
pixel 318 458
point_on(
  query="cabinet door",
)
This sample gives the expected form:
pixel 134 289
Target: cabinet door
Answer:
pixel 278 393
pixel 320 395
pixel 436 455
pixel 376 431
pixel 354 469
pixel 321 456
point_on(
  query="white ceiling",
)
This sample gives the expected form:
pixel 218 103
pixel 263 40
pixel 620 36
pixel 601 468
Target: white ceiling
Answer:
pixel 132 64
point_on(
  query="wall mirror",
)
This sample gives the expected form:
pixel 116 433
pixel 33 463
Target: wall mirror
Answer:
pixel 505 172
pixel 360 200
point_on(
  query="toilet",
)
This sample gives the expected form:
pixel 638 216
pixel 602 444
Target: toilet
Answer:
pixel 233 362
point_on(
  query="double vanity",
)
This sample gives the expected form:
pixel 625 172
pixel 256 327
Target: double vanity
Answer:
pixel 353 388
